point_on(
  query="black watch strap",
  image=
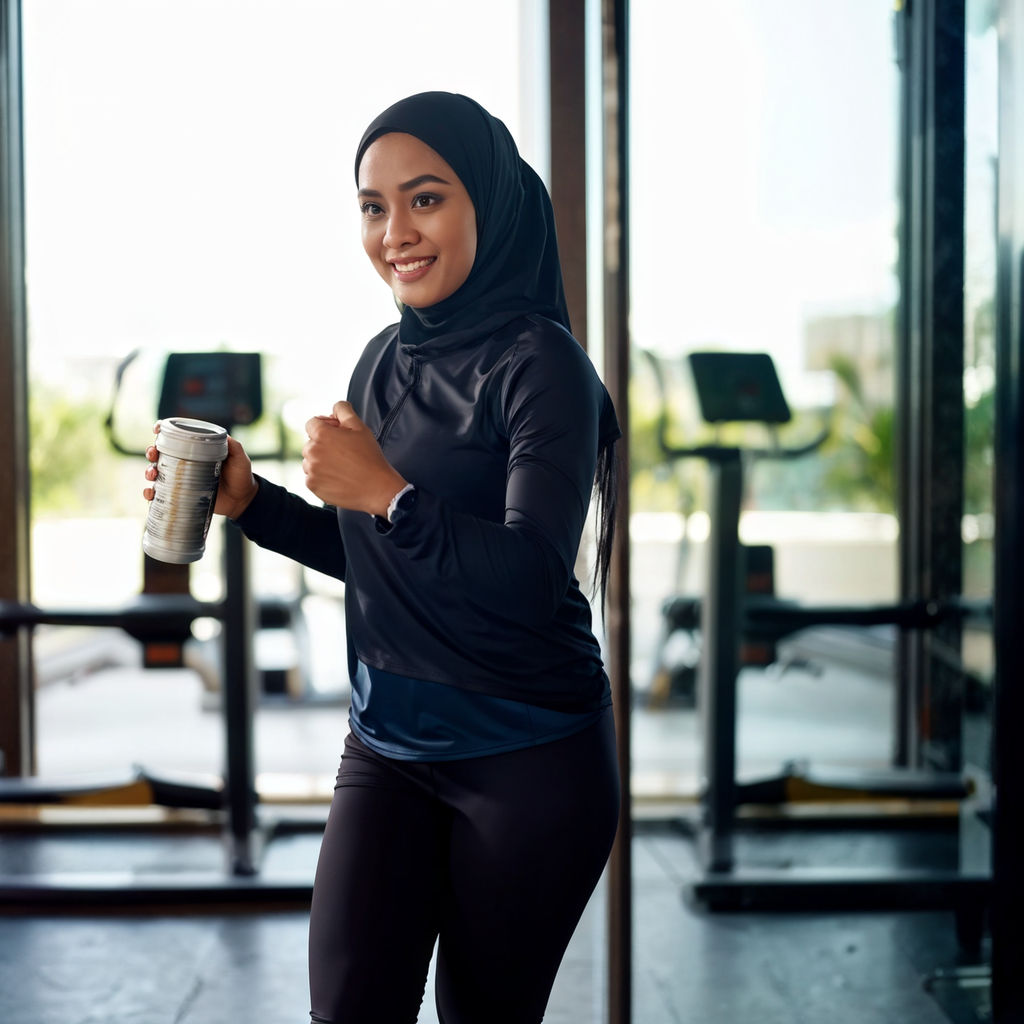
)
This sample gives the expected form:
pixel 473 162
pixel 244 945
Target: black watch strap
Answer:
pixel 403 507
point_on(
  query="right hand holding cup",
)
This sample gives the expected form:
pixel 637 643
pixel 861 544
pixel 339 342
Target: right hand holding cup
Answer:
pixel 237 485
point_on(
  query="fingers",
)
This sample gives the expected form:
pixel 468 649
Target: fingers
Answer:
pixel 151 471
pixel 235 450
pixel 151 453
pixel 152 456
pixel 316 423
pixel 345 414
pixel 334 454
pixel 313 428
pixel 342 415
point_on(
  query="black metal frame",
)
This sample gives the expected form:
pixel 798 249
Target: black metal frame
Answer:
pixel 719 665
pixel 239 798
pixel 929 371
pixel 17 723
pixel 1008 714
pixel 726 617
pixel 615 102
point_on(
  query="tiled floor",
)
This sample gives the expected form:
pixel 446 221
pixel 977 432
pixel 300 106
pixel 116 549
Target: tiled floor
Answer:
pixel 181 966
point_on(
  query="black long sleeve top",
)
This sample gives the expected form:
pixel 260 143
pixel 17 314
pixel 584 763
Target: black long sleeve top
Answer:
pixel 475 588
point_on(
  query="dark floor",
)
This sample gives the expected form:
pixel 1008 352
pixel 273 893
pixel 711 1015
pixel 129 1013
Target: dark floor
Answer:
pixel 179 966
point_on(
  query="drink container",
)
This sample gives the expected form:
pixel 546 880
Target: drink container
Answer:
pixel 191 453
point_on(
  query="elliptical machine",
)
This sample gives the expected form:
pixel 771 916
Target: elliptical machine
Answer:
pixel 737 611
pixel 731 388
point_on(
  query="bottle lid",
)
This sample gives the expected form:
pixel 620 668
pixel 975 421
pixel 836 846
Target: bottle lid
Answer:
pixel 192 439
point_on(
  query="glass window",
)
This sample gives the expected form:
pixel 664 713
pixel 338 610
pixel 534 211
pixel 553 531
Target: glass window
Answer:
pixel 763 219
pixel 981 157
pixel 189 187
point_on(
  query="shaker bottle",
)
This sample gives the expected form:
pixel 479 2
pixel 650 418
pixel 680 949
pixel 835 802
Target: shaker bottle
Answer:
pixel 188 471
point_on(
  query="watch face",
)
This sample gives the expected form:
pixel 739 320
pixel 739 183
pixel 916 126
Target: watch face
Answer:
pixel 406 503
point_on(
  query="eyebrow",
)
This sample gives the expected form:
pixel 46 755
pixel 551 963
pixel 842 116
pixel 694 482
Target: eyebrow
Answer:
pixel 408 186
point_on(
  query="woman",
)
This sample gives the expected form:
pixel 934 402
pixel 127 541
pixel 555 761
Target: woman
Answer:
pixel 477 797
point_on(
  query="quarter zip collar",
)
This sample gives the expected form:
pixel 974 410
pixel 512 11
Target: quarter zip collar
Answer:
pixel 392 413
pixel 454 341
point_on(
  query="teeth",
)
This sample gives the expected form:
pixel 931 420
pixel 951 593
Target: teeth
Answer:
pixel 408 268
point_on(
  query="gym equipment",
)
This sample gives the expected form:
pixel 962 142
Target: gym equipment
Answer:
pixel 730 388
pixel 744 387
pixel 150 615
pixel 224 387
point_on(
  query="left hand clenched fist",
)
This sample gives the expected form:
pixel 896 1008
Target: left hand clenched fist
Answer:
pixel 344 465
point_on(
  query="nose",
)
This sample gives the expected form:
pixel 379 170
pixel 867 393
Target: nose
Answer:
pixel 400 230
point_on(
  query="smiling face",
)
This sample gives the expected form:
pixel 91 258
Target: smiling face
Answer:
pixel 419 224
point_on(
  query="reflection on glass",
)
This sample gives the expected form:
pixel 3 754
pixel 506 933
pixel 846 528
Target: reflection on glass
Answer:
pixel 981 156
pixel 189 187
pixel 763 218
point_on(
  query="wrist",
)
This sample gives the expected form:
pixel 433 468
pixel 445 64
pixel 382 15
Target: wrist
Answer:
pixel 400 506
pixel 242 505
pixel 388 495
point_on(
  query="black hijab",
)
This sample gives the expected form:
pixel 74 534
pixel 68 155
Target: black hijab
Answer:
pixel 516 269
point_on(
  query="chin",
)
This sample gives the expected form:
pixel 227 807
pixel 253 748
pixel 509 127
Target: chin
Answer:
pixel 419 302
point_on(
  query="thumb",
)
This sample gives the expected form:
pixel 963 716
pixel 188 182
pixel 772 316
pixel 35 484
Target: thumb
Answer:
pixel 346 415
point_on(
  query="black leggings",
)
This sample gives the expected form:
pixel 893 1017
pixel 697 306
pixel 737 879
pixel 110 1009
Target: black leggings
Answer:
pixel 493 857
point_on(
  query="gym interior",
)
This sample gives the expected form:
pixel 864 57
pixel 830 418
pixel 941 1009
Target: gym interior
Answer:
pixel 793 244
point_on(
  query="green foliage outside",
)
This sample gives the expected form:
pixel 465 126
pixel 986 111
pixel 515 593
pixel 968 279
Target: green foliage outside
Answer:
pixel 860 455
pixel 71 462
pixel 74 468
pixel 854 470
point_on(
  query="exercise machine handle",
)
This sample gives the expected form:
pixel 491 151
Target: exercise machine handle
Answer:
pixel 724 453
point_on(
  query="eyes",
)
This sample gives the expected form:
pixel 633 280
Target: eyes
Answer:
pixel 421 201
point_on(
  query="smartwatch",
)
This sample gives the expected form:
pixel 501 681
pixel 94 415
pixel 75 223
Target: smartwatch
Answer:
pixel 402 505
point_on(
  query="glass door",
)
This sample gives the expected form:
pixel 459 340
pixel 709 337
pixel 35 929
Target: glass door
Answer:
pixel 764 219
pixel 189 188
pixel 980 236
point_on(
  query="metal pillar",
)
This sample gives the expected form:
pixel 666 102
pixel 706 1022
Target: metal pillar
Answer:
pixel 238 692
pixel 567 75
pixel 1008 706
pixel 930 357
pixel 16 688
pixel 615 63
pixel 720 617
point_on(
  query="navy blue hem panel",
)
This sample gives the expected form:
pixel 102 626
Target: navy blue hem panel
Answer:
pixel 417 720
